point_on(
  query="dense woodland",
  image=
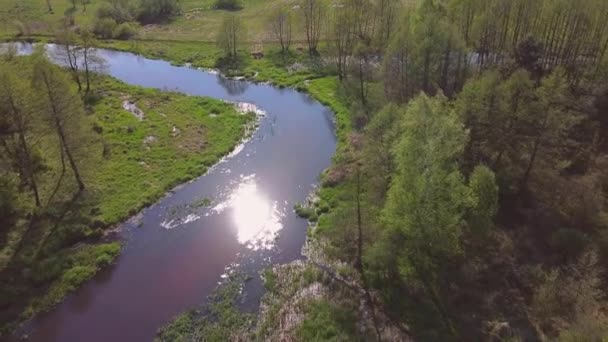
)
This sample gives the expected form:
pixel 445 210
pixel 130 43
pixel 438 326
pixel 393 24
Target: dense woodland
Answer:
pixel 474 202
pixel 469 189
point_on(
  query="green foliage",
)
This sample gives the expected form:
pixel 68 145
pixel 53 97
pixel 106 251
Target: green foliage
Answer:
pixel 104 28
pixel 158 10
pixel 71 270
pixel 306 212
pixel 485 198
pixel 325 321
pixel 427 198
pixel 124 31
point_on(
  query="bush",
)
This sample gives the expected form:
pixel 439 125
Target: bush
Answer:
pixel 120 12
pixel 229 5
pixel 327 322
pixel 157 10
pixel 124 31
pixel 105 11
pixel 104 28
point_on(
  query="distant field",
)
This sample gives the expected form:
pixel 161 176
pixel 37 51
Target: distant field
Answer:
pixel 199 20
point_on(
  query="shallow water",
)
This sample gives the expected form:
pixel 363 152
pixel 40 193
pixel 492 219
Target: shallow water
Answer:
pixel 174 255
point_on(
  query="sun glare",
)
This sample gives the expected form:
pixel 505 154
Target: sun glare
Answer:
pixel 256 218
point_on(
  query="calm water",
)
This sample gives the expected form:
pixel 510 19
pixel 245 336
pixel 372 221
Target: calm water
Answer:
pixel 174 256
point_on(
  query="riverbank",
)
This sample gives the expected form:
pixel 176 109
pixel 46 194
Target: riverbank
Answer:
pixel 142 142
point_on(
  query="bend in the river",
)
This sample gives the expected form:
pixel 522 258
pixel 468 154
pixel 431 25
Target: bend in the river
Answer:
pixel 172 263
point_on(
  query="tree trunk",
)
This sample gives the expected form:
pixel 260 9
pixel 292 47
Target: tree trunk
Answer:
pixel 26 150
pixel 62 138
pixel 359 261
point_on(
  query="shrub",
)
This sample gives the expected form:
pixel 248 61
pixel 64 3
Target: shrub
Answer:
pixel 229 5
pixel 124 31
pixel 327 322
pixel 104 28
pixel 105 11
pixel 157 10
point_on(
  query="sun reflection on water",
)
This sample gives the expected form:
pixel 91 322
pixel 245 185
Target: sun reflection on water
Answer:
pixel 256 218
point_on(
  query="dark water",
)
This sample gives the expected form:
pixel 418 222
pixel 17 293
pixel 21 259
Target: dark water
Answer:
pixel 173 256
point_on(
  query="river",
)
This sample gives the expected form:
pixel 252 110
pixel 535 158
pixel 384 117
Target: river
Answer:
pixel 173 256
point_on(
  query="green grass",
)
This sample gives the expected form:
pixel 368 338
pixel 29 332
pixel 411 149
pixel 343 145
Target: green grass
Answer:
pixel 327 321
pixel 79 266
pixel 199 21
pixel 137 173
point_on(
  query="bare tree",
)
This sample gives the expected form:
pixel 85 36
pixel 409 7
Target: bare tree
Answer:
pixel 342 38
pixel 62 107
pixel 16 123
pixel 281 24
pixel 229 36
pixel 313 12
pixel 69 52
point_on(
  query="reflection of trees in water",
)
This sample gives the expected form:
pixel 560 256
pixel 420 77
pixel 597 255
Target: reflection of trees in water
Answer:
pixel 233 87
pixel 307 98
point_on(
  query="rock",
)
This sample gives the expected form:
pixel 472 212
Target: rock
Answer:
pixel 150 139
pixel 132 108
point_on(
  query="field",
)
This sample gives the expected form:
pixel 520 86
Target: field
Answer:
pixel 198 22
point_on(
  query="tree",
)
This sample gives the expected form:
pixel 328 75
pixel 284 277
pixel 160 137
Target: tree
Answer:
pixel 313 12
pixel 551 123
pixel 281 23
pixel 427 196
pixel 398 70
pixel 230 35
pixel 387 11
pixel 380 135
pixel 427 199
pixel 485 199
pixel 17 120
pixel 363 70
pixel 342 37
pixel 90 59
pixel 69 51
pixel 63 110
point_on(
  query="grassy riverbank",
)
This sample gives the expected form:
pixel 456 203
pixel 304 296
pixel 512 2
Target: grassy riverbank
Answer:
pixel 126 163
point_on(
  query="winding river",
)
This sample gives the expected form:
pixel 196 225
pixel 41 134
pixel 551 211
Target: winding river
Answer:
pixel 173 259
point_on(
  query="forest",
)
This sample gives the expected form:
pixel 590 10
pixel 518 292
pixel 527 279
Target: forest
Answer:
pixel 466 200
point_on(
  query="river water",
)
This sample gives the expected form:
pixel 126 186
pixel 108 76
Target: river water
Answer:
pixel 175 255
